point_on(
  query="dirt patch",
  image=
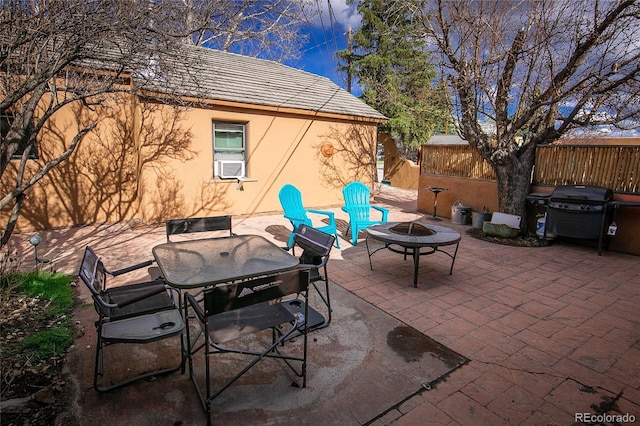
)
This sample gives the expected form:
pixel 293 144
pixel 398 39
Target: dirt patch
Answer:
pixel 519 241
pixel 33 392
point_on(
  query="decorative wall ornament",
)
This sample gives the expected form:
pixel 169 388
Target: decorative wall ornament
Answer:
pixel 327 149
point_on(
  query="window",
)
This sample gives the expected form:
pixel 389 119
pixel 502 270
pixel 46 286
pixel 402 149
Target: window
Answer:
pixel 229 150
pixel 5 124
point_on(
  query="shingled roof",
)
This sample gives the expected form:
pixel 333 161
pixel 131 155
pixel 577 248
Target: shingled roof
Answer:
pixel 216 75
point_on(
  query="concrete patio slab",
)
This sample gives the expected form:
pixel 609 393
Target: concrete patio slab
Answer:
pixel 363 363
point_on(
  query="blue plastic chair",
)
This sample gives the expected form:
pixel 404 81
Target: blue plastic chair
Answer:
pixel 291 202
pixel 357 205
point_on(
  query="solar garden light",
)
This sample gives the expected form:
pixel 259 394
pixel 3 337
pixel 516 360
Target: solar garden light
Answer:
pixel 34 241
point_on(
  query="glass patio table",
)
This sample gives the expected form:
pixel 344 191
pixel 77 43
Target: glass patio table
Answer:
pixel 205 262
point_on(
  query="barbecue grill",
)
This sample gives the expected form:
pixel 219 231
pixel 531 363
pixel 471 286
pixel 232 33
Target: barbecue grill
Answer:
pixel 579 211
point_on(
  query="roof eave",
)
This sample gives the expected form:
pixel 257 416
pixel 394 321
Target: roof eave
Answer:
pixel 212 103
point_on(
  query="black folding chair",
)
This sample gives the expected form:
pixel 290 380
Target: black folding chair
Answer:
pixel 136 313
pixel 229 312
pixel 191 225
pixel 316 247
pixel 198 224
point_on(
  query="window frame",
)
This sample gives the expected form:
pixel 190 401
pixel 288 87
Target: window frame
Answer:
pixel 229 154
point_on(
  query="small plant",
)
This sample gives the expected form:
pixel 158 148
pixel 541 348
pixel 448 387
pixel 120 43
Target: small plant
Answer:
pixel 53 287
pixel 35 328
pixel 47 343
pixel 9 265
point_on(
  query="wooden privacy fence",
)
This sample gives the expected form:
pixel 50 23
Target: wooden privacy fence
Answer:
pixel 616 167
pixel 454 160
pixel 612 166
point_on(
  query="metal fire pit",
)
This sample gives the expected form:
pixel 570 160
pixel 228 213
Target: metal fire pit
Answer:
pixel 579 211
pixel 412 238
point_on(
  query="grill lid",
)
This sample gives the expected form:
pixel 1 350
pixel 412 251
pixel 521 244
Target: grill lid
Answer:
pixel 582 193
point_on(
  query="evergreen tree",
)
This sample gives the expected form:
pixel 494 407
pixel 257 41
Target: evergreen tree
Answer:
pixel 391 64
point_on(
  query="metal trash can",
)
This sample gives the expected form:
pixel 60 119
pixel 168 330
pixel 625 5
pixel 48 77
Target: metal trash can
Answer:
pixel 460 214
pixel 479 218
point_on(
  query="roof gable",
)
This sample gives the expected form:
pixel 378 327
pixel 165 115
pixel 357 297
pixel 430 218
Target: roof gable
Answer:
pixel 217 75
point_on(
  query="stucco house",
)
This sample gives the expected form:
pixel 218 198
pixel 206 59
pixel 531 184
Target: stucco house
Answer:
pixel 242 127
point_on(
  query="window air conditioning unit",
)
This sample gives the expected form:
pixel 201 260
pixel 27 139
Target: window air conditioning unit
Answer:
pixel 229 169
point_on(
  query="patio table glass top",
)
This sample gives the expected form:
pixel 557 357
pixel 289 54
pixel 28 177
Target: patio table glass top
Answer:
pixel 204 262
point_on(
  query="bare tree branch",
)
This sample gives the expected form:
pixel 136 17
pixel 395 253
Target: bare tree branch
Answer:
pixel 57 55
pixel 527 72
pixel 254 28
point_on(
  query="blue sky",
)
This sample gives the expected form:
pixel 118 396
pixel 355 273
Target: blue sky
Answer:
pixel 327 35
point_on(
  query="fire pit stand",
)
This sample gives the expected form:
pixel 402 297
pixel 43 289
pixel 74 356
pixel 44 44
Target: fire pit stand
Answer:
pixel 411 238
pixel 436 190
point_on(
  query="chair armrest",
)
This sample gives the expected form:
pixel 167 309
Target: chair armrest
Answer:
pixel 130 268
pixel 174 293
pixel 383 211
pixel 190 300
pixel 309 267
pixel 314 270
pixel 331 215
pixel 296 219
pixel 142 296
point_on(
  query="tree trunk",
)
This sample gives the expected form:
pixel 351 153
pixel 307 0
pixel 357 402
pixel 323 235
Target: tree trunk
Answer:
pixel 513 177
pixel 13 219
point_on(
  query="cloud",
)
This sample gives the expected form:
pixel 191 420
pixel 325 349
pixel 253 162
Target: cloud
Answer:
pixel 338 10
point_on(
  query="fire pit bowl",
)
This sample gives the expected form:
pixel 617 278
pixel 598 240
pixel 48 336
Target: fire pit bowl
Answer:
pixel 412 228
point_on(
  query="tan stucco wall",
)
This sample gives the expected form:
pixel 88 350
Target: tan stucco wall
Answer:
pixel 281 149
pixel 400 172
pixel 121 172
pixel 473 193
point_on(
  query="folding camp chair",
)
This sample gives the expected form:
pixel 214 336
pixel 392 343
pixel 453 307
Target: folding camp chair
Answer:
pixel 291 202
pixel 192 225
pixel 357 205
pixel 316 247
pixel 198 224
pixel 229 312
pixel 136 313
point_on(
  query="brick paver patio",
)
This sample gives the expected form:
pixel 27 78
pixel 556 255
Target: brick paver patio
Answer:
pixel 549 331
